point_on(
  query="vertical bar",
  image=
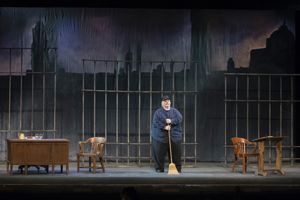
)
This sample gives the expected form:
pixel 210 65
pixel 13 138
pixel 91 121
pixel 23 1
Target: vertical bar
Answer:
pixel 21 91
pixel 83 103
pixel 95 98
pixel 32 97
pixel 9 96
pixel 44 87
pixel 83 100
pixel 248 85
pixel 173 85
pixel 292 120
pixel 236 106
pixel 280 104
pixel 270 97
pixel 195 117
pixel 258 107
pixel 270 116
pixel 128 105
pixel 117 111
pixel 151 70
pixel 54 109
pixel 162 79
pixel 225 118
pixel 139 118
pixel 105 110
pixel 184 89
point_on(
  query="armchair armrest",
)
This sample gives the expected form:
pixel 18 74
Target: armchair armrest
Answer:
pixel 100 147
pixel 255 146
pixel 241 146
pixel 80 145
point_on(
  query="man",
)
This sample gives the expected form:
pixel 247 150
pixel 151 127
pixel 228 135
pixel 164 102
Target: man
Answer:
pixel 166 118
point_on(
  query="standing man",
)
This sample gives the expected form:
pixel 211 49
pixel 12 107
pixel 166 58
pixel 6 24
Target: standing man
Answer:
pixel 166 118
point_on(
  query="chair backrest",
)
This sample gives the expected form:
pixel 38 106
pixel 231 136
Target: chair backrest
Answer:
pixel 96 140
pixel 97 144
pixel 239 145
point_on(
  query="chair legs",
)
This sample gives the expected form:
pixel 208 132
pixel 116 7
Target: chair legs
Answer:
pixel 103 168
pixel 77 164
pixel 90 164
pixel 246 162
pixel 257 162
pixel 235 159
pixel 244 165
pixel 94 165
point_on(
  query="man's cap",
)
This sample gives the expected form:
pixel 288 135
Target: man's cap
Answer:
pixel 165 97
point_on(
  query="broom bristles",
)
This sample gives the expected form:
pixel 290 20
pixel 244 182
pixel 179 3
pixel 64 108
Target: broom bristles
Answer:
pixel 173 170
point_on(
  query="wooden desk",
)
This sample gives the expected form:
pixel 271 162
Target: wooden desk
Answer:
pixel 37 152
pixel 261 143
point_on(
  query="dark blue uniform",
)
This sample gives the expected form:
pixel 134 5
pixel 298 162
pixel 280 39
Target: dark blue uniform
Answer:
pixel 160 137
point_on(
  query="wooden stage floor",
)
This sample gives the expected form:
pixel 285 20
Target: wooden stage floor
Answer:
pixel 206 181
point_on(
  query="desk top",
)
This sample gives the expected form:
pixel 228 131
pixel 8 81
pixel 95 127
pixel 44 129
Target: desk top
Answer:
pixel 37 140
pixel 270 138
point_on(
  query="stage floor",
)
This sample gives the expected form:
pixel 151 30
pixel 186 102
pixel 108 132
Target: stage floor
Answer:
pixel 206 181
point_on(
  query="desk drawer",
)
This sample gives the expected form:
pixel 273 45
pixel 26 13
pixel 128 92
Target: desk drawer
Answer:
pixel 40 153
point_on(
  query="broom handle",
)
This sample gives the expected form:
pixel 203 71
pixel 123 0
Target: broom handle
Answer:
pixel 170 146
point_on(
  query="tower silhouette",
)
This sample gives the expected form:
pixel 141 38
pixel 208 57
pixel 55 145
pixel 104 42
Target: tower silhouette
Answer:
pixel 39 52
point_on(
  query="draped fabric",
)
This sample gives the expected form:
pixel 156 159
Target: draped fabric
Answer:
pixel 218 40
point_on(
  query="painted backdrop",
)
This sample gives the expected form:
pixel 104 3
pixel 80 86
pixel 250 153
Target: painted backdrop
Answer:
pixel 218 40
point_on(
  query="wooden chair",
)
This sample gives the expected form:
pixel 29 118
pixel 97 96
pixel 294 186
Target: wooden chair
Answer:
pixel 239 145
pixel 96 152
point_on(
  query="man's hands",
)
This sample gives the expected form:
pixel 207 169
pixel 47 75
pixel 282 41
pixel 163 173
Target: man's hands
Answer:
pixel 168 128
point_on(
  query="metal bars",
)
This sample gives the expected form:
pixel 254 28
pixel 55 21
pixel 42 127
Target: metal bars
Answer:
pixel 130 110
pixel 270 79
pixel 25 76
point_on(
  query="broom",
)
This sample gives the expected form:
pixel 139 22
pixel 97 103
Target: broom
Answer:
pixel 172 167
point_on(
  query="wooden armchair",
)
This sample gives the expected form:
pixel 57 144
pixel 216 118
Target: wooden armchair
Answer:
pixel 239 145
pixel 96 152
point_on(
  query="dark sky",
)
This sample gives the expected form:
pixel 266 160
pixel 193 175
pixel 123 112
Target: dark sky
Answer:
pixel 234 33
pixel 109 33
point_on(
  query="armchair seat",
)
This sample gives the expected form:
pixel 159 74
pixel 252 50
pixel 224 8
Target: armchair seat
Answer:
pixel 96 144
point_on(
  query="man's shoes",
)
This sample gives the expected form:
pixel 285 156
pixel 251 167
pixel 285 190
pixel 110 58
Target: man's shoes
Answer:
pixel 159 171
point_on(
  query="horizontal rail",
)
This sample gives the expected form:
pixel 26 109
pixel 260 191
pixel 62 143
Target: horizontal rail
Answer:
pixel 126 157
pixel 30 48
pixel 267 146
pixel 267 101
pixel 259 74
pixel 5 131
pixel 28 72
pixel 142 91
pixel 115 143
pixel 273 159
pixel 133 61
